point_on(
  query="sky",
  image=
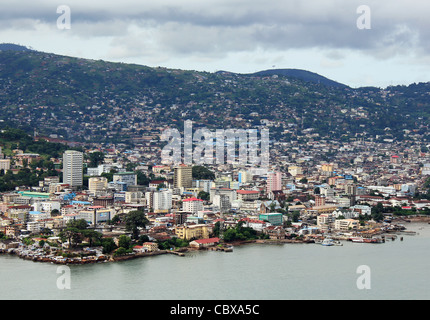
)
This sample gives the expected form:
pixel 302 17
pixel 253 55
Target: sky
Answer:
pixel 355 42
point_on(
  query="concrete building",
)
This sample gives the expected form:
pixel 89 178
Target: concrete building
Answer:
pixel 247 195
pixel 197 231
pixel 5 164
pixel 275 219
pixel 325 221
pixel 295 170
pixel 274 181
pixel 129 178
pixel 73 168
pixel 95 214
pixel 162 201
pixel 244 177
pixel 346 224
pixel 96 185
pixel 192 205
pixel 183 176
pixel 222 203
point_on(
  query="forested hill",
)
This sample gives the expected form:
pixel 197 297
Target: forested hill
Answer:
pixel 98 101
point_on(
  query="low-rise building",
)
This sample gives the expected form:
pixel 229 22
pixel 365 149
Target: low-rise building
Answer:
pixel 273 218
pixel 203 243
pixel 346 224
pixel 197 231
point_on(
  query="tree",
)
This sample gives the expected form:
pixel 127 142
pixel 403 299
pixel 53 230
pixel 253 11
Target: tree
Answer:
pixel 74 232
pixel 203 195
pixel 96 158
pixel 81 224
pixel 134 220
pixel 72 235
pixel 216 229
pixel 202 173
pixel 378 212
pixel 143 238
pixel 92 235
pixel 124 241
pixel 108 245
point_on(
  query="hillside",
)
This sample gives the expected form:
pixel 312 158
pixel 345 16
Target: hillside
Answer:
pixel 300 74
pixel 98 101
pixel 13 47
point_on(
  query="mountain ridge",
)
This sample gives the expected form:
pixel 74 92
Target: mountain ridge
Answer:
pixel 302 74
pixel 99 101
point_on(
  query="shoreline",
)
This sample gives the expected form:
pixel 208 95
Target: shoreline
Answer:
pixel 227 247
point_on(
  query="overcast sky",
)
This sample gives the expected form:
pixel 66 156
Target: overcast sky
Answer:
pixel 321 36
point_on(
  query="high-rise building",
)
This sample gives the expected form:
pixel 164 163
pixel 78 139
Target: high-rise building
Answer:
pixel 274 181
pixel 73 168
pixel 162 200
pixel 183 176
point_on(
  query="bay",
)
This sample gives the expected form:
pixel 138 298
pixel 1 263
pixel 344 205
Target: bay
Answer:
pixel 396 269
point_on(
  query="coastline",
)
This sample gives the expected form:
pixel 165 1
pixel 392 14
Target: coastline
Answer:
pixel 227 247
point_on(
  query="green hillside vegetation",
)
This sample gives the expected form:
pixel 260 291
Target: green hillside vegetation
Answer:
pixel 97 101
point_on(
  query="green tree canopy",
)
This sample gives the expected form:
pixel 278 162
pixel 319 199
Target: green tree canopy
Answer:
pixel 134 220
pixel 202 173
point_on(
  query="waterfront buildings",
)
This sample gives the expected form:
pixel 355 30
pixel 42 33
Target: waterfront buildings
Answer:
pixel 195 231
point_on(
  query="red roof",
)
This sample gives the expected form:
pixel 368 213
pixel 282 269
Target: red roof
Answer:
pixel 192 199
pixel 209 240
pixel 247 191
pixel 252 220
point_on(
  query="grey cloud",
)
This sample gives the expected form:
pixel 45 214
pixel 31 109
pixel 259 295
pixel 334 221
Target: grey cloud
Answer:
pixel 217 27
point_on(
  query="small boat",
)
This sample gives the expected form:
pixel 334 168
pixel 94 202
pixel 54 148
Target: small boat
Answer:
pixel 327 242
pixel 357 239
pixel 337 243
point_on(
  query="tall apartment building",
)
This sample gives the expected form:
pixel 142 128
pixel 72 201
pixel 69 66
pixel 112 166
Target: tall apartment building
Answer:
pixel 162 200
pixel 183 176
pixel 73 168
pixel 274 181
